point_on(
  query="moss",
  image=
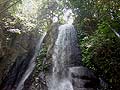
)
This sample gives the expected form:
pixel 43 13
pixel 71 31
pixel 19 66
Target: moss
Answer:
pixel 40 62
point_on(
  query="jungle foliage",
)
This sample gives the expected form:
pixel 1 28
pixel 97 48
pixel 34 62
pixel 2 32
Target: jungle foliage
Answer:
pixel 97 22
pixel 98 25
pixel 18 17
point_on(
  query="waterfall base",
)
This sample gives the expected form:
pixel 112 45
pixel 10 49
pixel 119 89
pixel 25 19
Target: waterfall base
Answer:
pixel 64 84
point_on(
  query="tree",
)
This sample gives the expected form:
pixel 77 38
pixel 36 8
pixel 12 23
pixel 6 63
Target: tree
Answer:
pixel 98 26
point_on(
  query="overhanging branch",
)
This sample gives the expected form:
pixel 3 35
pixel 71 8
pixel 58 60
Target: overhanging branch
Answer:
pixel 116 33
pixel 9 6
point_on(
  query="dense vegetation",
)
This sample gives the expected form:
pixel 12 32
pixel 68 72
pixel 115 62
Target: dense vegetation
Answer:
pixel 22 23
pixel 98 25
pixel 30 17
pixel 97 22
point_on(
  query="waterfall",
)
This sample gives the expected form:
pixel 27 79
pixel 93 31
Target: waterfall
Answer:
pixel 64 56
pixel 31 64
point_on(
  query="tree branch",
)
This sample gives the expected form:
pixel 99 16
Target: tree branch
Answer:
pixel 116 33
pixel 9 7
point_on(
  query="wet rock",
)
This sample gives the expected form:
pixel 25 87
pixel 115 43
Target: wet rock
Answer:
pixel 15 66
pixel 75 88
pixel 15 73
pixel 83 78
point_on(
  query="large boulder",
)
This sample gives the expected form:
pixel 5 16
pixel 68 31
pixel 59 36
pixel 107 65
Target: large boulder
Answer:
pixel 83 78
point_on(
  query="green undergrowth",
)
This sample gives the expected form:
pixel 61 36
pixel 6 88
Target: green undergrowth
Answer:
pixel 40 62
pixel 101 52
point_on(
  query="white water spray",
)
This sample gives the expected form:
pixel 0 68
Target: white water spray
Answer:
pixel 61 79
pixel 31 64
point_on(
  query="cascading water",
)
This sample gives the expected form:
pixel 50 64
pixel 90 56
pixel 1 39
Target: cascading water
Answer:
pixel 21 69
pixel 64 56
pixel 31 64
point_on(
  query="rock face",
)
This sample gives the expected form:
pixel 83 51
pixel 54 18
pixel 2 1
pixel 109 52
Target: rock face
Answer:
pixel 40 82
pixel 65 71
pixel 63 57
pixel 17 70
pixel 24 46
pixel 83 79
